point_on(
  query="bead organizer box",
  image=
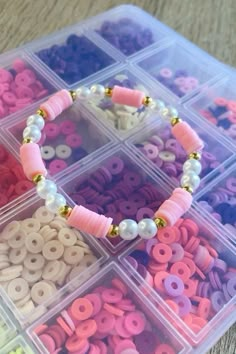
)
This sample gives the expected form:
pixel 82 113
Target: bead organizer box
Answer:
pixel 122 162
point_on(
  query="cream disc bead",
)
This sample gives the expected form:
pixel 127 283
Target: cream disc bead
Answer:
pixel 34 261
pixel 17 289
pixel 53 250
pixel 67 237
pixel 41 291
pixel 10 230
pixel 17 255
pixel 18 240
pixel 32 276
pixel 30 225
pixel 73 255
pixel 51 270
pixel 34 242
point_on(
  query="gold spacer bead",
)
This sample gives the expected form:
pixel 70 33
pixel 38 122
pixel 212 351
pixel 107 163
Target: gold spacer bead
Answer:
pixel 27 140
pixel 65 211
pixel 108 91
pixel 73 94
pixel 175 120
pixel 41 113
pixel 37 178
pixel 195 156
pixel 188 189
pixel 160 223
pixel 147 101
pixel 113 231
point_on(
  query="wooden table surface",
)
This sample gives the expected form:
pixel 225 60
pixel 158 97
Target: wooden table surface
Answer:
pixel 211 24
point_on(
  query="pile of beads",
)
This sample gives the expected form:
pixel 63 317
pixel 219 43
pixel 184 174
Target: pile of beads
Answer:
pixel 126 35
pixel 179 81
pixel 84 219
pixel 13 182
pixel 39 255
pixel 222 113
pixel 166 153
pixel 19 87
pixel 220 201
pixel 186 270
pixel 75 59
pixel 117 190
pixel 121 117
pixel 17 350
pixel 106 320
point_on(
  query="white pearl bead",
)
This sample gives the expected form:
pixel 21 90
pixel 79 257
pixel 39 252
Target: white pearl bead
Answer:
pixel 190 179
pixel 159 105
pixel 192 165
pixel 128 229
pixel 147 228
pixel 46 187
pixel 172 112
pixel 33 132
pixel 83 93
pixel 54 202
pixel 98 91
pixel 36 119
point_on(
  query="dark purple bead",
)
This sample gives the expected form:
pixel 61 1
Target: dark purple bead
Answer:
pixel 180 73
pixel 145 340
pixel 132 261
pixel 141 257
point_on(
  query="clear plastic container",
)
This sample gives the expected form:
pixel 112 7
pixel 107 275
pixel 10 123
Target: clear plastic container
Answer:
pixel 177 69
pixel 154 321
pixel 174 280
pixel 7 328
pixel 217 105
pixel 166 156
pixel 31 261
pixel 20 344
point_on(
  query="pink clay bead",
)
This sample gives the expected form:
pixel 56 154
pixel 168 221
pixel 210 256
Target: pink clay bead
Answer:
pixel 187 137
pixel 89 221
pixel 31 160
pixel 126 96
pixel 56 104
pixel 174 207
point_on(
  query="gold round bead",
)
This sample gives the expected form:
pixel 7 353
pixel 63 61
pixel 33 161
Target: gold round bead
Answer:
pixel 147 101
pixel 188 189
pixel 27 140
pixel 41 113
pixel 65 211
pixel 38 178
pixel 175 120
pixel 195 155
pixel 160 223
pixel 108 91
pixel 73 94
pixel 113 231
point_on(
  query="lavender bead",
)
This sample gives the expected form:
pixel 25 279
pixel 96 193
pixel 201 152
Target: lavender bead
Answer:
pixel 174 285
pixel 217 300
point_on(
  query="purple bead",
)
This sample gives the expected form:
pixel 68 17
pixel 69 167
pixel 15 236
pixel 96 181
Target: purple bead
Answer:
pixel 226 293
pixel 184 305
pixel 144 213
pixel 132 179
pixel 206 290
pixel 115 165
pixel 170 169
pixel 181 72
pixel 145 340
pixel 212 280
pixel 142 271
pixel 220 266
pixel 217 300
pixel 141 257
pixel 231 287
pixel 150 244
pixel 137 199
pixel 174 285
pixel 177 252
pixel 132 261
pixel 128 208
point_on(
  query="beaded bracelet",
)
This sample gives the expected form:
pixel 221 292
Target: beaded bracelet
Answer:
pixel 88 221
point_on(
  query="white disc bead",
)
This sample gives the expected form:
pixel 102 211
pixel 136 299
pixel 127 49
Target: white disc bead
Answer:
pixel 147 228
pixel 45 188
pixel 190 179
pixel 33 132
pixel 128 229
pixel 54 202
pixel 192 165
pixel 36 119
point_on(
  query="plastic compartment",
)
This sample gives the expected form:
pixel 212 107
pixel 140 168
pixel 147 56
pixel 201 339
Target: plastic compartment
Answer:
pixel 7 328
pixel 72 137
pixel 21 83
pixel 219 199
pixel 128 29
pixel 155 323
pixel 14 186
pixel 121 119
pixel 157 144
pixel 209 318
pixel 178 70
pixel 72 55
pixel 21 343
pixel 89 257
pixel 218 106
pixel 119 195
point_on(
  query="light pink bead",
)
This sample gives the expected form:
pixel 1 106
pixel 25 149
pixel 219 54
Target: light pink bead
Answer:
pixel 89 221
pixel 174 207
pixel 31 160
pixel 126 96
pixel 187 137
pixel 56 104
